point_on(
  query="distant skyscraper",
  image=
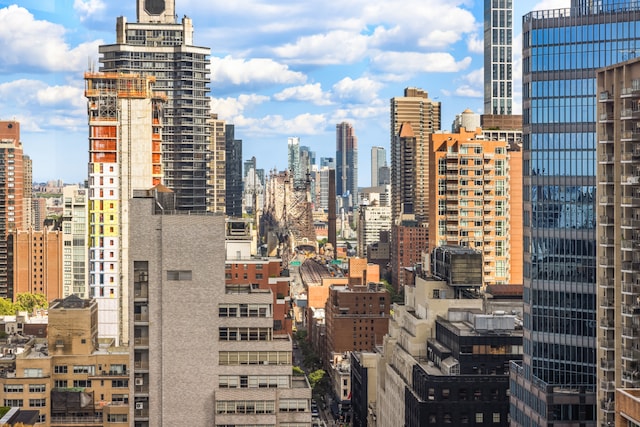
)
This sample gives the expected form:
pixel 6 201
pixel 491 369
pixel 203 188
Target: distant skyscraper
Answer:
pixel 307 161
pixel 233 173
pixel 423 114
pixel 561 50
pixel 378 160
pixel 347 162
pixel 12 190
pixel 498 56
pixel 158 46
pixel 125 131
pixel 297 168
pixel 329 162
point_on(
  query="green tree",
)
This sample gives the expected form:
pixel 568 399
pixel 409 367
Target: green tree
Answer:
pixel 315 377
pixel 7 307
pixel 29 302
pixel 297 371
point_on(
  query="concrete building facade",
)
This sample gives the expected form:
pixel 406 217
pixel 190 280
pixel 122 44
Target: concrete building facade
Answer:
pixel 217 165
pixel 498 57
pixel 125 122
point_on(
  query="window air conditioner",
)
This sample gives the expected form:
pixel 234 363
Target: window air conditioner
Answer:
pixel 139 405
pixel 139 381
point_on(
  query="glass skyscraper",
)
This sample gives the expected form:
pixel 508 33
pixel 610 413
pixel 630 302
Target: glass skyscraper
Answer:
pixel 498 56
pixel 562 48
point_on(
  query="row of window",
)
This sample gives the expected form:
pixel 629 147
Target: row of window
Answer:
pixel 244 310
pixel 253 381
pixel 19 388
pixel 254 357
pixel 33 403
pixel 88 383
pixel 245 334
pixel 115 369
pixel 261 406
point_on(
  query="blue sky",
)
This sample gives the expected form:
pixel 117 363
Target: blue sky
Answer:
pixel 279 68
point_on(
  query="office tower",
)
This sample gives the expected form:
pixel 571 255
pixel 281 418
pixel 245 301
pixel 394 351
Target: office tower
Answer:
pixel 12 189
pixel 423 114
pixel 498 56
pixel 384 176
pixel 378 160
pixel 372 219
pixel 478 202
pixel 38 212
pixel 559 158
pixel 233 173
pixel 75 220
pixel 158 46
pixel 329 162
pixel 217 165
pixel 36 262
pixel 247 364
pixel 618 267
pixel 295 167
pixel 347 164
pixel 307 162
pixel 124 154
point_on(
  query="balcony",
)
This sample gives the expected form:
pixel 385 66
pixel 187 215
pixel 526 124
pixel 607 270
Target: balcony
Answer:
pixel 607 386
pixel 606 302
pixel 630 267
pixel 630 202
pixel 607 323
pixel 629 224
pixel 630 310
pixel 630 332
pixel 605 179
pixel 630 354
pixel 604 219
pixel 605 261
pixel 630 288
pixel 607 343
pixel 629 180
pixel 607 405
pixel 606 241
pixel 605 96
pixel 606 118
pixel 631 378
pixel 605 158
pixel 630 135
pixel 607 365
pixel 629 113
pixel 630 92
pixel 606 200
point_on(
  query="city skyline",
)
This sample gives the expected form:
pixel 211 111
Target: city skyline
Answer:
pixel 278 75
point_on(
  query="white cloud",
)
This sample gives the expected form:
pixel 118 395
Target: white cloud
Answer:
pixel 475 43
pixel 475 77
pixel 410 63
pixel 254 72
pixel 41 106
pixel 335 47
pixel 358 91
pixel 88 8
pixel 228 108
pixel 310 93
pixel 364 112
pixel 552 4
pixel 303 124
pixel 30 45
pixel 469 92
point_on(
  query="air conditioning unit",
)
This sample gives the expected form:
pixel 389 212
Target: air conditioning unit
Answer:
pixel 139 405
pixel 139 381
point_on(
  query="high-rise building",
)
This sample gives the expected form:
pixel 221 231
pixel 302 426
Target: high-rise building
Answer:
pixel 293 158
pixel 217 165
pixel 248 363
pixel 156 45
pixel 125 122
pixel 329 162
pixel 36 262
pixel 557 380
pixel 478 202
pixel 12 191
pixel 378 160
pixel 423 114
pixel 618 267
pixel 233 174
pixel 372 219
pixel 498 56
pixel 75 220
pixel 347 164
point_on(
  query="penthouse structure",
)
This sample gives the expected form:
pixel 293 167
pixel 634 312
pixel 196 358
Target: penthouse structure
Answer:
pixel 125 122
pixel 158 46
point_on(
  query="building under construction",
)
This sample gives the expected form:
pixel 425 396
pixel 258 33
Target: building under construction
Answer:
pixel 287 221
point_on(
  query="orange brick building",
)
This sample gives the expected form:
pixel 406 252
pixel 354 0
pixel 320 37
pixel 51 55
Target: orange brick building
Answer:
pixel 266 273
pixel 477 200
pixel 36 262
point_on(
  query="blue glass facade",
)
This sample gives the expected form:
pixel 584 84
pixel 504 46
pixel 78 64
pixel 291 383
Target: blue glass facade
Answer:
pixel 561 51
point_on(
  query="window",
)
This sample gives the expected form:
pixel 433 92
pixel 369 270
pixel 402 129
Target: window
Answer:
pixel 33 372
pixel 14 403
pixel 179 275
pixel 60 369
pixel 82 383
pixel 60 384
pixel 37 388
pixel 117 418
pixel 120 398
pixel 496 417
pixel 119 383
pixel 293 405
pixel 13 388
pixel 37 403
pixel 84 369
pixel 479 417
